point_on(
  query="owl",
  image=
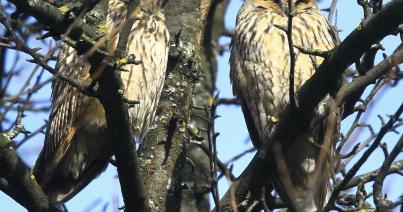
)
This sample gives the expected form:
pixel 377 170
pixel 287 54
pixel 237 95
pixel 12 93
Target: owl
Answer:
pixel 77 145
pixel 260 68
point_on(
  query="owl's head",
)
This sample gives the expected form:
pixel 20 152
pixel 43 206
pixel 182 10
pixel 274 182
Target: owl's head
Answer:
pixel 297 5
pixel 295 2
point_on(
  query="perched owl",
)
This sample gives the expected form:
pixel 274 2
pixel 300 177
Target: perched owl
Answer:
pixel 260 68
pixel 77 145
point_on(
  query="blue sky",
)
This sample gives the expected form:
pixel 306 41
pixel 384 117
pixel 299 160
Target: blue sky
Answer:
pixel 105 190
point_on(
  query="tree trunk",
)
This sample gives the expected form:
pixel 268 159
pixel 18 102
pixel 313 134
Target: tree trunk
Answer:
pixel 163 152
pixel 196 174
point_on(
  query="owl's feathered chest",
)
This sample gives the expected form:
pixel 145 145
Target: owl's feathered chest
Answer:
pixel 260 58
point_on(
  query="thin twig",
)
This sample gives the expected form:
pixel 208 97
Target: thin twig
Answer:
pixel 332 9
pixel 212 135
pixel 227 101
pixel 314 52
pixel 293 101
pixel 222 166
pixel 395 168
pixel 339 187
pixel 240 155
pixel 381 202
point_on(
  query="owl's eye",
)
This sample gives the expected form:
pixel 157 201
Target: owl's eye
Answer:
pixel 302 1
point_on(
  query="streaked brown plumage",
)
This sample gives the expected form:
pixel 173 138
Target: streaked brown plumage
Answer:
pixel 77 146
pixel 260 67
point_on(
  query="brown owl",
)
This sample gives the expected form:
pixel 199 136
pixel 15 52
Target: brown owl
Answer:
pixel 260 68
pixel 77 146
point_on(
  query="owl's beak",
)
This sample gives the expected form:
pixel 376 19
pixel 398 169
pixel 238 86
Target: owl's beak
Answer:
pixel 285 6
pixel 286 9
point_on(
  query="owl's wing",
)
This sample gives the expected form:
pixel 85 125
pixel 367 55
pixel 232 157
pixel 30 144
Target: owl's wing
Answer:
pixel 77 145
pixel 66 101
pixel 243 99
pixel 253 132
pixel 257 62
pixel 333 33
pixel 149 42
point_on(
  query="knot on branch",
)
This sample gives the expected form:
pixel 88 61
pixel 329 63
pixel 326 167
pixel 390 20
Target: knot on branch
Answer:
pixel 126 60
pixel 18 128
pixel 315 52
pixel 185 54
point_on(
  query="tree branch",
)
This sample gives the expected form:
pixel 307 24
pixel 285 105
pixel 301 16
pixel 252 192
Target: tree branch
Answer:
pixel 395 167
pixel 363 159
pixel 291 88
pixel 119 127
pixel 57 22
pixel 380 202
pixel 17 181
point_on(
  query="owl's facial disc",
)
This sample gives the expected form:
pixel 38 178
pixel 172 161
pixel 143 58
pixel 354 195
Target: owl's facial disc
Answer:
pixel 297 5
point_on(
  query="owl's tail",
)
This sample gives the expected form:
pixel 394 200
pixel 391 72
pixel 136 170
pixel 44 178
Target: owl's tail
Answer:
pixel 307 165
pixel 85 158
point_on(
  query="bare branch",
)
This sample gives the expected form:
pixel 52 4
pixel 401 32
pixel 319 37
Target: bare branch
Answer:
pixel 381 202
pixel 339 187
pixel 17 181
pixel 332 9
pixel 228 101
pixel 395 167
pixel 212 144
pixel 293 100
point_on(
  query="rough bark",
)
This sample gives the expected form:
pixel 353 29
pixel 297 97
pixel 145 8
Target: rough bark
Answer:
pixel 17 181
